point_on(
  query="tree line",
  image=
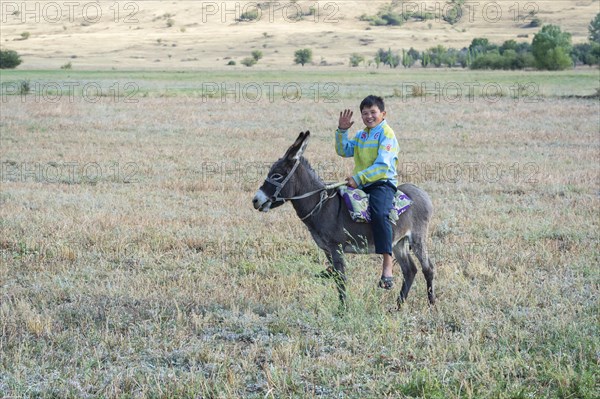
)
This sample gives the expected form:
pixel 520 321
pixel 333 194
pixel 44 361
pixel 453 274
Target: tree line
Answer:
pixel 551 49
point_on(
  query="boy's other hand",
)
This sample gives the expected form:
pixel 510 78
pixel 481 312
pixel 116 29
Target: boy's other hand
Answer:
pixel 350 182
pixel 345 122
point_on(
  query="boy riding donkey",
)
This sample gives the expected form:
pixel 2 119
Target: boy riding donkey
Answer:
pixel 375 151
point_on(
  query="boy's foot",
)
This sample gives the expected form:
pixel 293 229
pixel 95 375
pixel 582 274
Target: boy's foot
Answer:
pixel 387 283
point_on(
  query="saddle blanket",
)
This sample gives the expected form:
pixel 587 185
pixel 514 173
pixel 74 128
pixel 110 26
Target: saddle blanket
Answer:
pixel 357 202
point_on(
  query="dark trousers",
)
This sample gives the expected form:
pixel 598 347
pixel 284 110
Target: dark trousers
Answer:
pixel 381 200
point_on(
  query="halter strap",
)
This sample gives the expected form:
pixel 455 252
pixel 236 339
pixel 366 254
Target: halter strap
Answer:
pixel 283 183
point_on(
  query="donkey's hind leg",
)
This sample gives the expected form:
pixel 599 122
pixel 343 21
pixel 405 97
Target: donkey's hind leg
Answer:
pixel 419 248
pixel 409 269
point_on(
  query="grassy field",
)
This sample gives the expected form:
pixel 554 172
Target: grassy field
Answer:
pixel 134 266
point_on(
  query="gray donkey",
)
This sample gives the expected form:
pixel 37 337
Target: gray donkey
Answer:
pixel 331 226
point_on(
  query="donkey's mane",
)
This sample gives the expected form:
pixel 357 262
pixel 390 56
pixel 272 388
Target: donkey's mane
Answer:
pixel 310 169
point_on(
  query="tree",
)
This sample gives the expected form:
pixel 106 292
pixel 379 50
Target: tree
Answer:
pixel 407 59
pixel 425 59
pixel 463 57
pixel 9 59
pixel 481 45
pixel 551 48
pixel 303 56
pixel 377 60
pixel 387 58
pixel 595 53
pixel 393 60
pixel 450 57
pixel 586 53
pixel 509 45
pixel 414 54
pixel 438 55
pixel 594 29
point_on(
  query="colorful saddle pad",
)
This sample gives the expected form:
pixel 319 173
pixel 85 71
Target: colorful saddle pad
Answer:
pixel 357 202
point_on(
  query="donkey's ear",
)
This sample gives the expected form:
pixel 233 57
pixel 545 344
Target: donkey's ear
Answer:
pixel 295 151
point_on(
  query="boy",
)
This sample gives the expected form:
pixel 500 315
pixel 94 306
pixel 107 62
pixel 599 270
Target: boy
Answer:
pixel 375 151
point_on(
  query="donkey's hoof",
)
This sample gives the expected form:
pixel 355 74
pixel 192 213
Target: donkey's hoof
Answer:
pixel 327 273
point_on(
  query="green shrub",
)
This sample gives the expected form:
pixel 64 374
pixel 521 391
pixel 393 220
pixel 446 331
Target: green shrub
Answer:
pixel 303 56
pixel 68 65
pixel 586 53
pixel 510 60
pixel 392 18
pixel 248 61
pixel 385 17
pixel 454 15
pixel 356 59
pixel 535 22
pixel 232 62
pixel 9 59
pixel 249 15
pixel 24 87
pixel 257 55
pixel 25 35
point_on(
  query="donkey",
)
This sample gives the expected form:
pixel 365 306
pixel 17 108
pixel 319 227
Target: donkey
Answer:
pixel 331 226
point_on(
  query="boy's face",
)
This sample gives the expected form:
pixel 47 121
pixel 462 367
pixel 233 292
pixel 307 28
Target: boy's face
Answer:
pixel 372 116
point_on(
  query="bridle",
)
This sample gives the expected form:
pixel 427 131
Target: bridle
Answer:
pixel 275 197
pixel 279 186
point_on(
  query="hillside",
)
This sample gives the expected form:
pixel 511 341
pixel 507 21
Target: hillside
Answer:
pixel 137 35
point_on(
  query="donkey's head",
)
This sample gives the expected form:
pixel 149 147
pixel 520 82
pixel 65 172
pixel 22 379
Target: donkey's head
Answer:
pixel 280 180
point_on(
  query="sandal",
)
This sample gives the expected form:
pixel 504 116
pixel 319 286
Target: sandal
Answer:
pixel 387 283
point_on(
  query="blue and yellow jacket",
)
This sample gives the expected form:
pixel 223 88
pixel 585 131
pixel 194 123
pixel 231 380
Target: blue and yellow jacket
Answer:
pixel 375 153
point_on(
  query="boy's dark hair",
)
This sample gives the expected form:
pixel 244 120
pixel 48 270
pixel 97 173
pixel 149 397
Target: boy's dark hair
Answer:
pixel 371 100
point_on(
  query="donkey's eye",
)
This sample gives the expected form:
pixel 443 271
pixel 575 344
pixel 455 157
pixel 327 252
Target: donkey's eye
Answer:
pixel 276 176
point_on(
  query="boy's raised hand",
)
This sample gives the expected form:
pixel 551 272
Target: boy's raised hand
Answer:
pixel 345 122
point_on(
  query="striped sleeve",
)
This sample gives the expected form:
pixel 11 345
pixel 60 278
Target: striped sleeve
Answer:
pixel 343 146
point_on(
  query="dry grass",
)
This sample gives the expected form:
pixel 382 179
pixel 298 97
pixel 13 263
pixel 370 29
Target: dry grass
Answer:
pixel 154 277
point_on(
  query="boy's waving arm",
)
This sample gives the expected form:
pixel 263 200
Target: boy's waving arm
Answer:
pixel 384 167
pixel 343 146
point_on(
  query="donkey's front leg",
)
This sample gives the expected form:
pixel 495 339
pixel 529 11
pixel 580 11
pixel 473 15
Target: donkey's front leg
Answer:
pixel 340 275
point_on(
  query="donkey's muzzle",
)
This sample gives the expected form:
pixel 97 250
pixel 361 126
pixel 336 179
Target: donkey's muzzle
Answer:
pixel 261 201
